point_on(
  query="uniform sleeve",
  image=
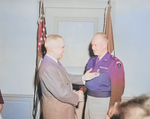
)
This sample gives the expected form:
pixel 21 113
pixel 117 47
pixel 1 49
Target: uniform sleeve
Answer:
pixel 55 85
pixel 1 99
pixel 117 82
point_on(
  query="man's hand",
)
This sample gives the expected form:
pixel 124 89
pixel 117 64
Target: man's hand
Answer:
pixel 113 109
pixel 1 107
pixel 88 76
pixel 107 117
pixel 83 88
pixel 110 111
pixel 81 95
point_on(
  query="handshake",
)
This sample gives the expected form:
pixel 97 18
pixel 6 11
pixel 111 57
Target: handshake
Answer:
pixel 87 76
pixel 81 95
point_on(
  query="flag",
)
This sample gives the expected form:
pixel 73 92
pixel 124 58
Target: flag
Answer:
pixel 41 35
pixel 109 30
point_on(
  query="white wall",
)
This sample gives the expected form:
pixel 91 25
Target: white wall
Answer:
pixel 131 20
pixel 18 27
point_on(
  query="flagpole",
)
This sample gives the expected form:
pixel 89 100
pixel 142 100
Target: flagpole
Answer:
pixel 107 29
pixel 41 35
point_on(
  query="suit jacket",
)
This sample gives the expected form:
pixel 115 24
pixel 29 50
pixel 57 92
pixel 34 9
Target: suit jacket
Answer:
pixel 58 98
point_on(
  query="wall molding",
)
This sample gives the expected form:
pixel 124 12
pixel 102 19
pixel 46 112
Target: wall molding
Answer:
pixel 76 19
pixel 17 106
pixel 18 95
pixel 76 4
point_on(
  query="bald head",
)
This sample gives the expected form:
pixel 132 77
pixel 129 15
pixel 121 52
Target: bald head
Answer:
pixel 52 40
pixel 102 35
pixel 99 44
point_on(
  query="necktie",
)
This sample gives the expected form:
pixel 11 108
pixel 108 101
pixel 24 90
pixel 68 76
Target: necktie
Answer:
pixel 97 60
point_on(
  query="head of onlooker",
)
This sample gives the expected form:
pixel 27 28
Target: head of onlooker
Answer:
pixel 136 108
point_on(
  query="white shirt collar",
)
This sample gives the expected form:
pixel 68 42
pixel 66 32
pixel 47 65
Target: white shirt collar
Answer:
pixel 52 58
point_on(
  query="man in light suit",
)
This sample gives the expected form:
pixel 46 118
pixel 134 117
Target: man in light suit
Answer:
pixel 58 98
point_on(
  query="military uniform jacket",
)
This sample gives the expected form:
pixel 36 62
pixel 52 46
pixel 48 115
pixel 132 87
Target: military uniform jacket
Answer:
pixel 110 82
pixel 57 94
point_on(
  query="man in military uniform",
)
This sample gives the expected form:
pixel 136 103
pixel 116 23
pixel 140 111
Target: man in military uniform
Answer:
pixel 104 91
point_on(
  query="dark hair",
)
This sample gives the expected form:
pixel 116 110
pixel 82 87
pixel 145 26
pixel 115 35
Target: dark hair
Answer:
pixel 115 117
pixel 137 102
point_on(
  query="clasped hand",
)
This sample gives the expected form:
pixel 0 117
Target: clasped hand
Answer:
pixel 81 95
